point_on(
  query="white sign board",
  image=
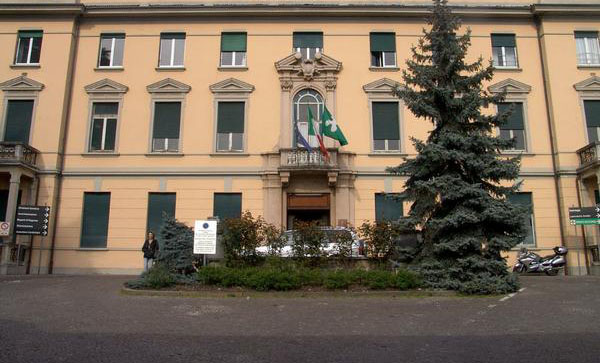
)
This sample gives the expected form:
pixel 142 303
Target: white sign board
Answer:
pixel 205 237
pixel 4 228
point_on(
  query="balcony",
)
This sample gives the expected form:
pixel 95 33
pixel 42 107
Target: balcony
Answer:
pixel 304 159
pixel 16 153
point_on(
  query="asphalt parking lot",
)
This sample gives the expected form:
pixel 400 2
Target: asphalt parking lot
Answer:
pixel 88 319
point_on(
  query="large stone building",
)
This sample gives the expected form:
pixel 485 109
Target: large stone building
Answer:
pixel 114 111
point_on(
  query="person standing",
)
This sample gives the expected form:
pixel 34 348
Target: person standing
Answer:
pixel 150 249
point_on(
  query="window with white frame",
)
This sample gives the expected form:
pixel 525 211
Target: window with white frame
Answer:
pixel 514 127
pixel 233 49
pixel 303 101
pixel 111 50
pixel 588 51
pixel 383 49
pixel 524 199
pixel 29 47
pixel 308 43
pixel 504 49
pixel 172 47
pixel 592 119
pixel 386 126
pixel 166 126
pixel 230 126
pixel 104 126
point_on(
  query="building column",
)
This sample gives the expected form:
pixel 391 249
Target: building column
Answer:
pixel 344 200
pixel 272 199
pixel 11 210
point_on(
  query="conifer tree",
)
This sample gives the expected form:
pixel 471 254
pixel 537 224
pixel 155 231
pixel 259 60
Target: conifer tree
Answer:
pixel 176 243
pixel 459 180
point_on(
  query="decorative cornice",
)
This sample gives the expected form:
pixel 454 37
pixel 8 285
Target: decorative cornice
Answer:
pixel 21 83
pixel 509 85
pixel 591 84
pixel 383 85
pixel 106 86
pixel 231 85
pixel 168 85
pixel 67 8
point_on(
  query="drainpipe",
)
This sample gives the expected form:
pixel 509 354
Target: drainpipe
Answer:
pixel 553 147
pixel 63 134
pixel 585 249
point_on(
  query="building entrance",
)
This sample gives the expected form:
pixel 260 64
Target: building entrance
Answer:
pixel 308 208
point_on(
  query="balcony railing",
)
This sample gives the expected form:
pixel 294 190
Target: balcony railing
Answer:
pixel 301 158
pixel 17 153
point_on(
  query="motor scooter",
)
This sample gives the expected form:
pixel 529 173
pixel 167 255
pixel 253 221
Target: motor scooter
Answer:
pixel 531 262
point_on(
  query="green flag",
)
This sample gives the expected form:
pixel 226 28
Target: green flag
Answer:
pixel 331 129
pixel 311 121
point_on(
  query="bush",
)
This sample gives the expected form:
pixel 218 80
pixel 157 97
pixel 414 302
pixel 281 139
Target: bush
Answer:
pixel 342 239
pixel 241 237
pixel 308 241
pixel 157 277
pixel 176 243
pixel 338 280
pixel 379 237
pixel 271 279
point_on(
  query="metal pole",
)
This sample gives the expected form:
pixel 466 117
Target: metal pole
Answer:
pixel 204 260
pixel 40 254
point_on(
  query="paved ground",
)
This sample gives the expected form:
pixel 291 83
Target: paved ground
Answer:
pixel 86 319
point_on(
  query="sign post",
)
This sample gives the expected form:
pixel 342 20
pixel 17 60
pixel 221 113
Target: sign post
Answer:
pixel 32 220
pixel 4 229
pixel 205 238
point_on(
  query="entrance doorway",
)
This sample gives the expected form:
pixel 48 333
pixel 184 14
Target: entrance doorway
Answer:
pixel 308 208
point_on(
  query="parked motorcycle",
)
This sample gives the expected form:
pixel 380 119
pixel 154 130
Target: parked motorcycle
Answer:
pixel 530 262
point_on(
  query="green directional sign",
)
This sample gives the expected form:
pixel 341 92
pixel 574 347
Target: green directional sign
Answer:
pixel 584 215
pixel 585 221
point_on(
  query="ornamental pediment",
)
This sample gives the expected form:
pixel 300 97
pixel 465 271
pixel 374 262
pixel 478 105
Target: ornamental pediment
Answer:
pixel 231 85
pixel 308 68
pixel 509 85
pixel 21 83
pixel 383 85
pixel 168 85
pixel 106 86
pixel 590 84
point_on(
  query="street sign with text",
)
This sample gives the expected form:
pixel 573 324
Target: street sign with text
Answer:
pixel 32 220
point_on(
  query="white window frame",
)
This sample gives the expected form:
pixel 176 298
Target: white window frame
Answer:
pixel 526 140
pixel 383 65
pixel 233 65
pixel 28 52
pixel 312 140
pixel 104 121
pixel 586 47
pixel 172 55
pixel 504 65
pixel 166 150
pixel 307 50
pixel 225 98
pixel 387 150
pixel 112 52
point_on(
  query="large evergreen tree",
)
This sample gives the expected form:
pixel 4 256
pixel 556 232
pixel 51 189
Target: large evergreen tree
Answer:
pixel 459 180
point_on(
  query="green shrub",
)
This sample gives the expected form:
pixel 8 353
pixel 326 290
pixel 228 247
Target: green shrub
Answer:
pixel 308 242
pixel 159 277
pixel 404 280
pixel 379 237
pixel 176 242
pixel 339 279
pixel 310 276
pixel 272 279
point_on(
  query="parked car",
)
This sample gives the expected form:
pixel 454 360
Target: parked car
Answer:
pixel 329 248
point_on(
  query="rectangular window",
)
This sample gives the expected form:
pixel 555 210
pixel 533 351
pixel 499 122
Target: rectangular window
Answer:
pixel 388 207
pixel 383 49
pixel 514 128
pixel 233 49
pixel 104 126
pixel 504 49
pixel 172 46
pixel 227 205
pixel 18 121
pixel 588 51
pixel 29 47
pixel 94 227
pixel 165 133
pixel 111 50
pixel 230 126
pixel 592 119
pixel 159 206
pixel 386 126
pixel 308 44
pixel 524 199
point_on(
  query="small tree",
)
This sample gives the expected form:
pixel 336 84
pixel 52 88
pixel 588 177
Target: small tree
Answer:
pixel 308 242
pixel 456 180
pixel 176 243
pixel 379 237
pixel 241 237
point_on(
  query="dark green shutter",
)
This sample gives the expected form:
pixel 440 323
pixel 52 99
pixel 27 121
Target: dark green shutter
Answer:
pixel 167 117
pixel 106 108
pixel 112 35
pixel 230 117
pixel 111 133
pixel 524 199
pixel 159 203
pixel 227 205
pixel 387 207
pixel 592 113
pixel 30 33
pixel 383 42
pixel 18 120
pixel 233 42
pixel 597 196
pixel 308 40
pixel 386 125
pixel 94 230
pixel 172 35
pixel 97 133
pixel 503 40
pixel 515 120
pixel 587 34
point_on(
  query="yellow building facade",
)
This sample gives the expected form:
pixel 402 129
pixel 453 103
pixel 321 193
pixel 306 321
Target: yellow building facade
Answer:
pixel 116 111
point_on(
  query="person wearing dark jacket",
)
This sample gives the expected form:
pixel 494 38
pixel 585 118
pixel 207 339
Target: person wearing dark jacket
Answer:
pixel 150 249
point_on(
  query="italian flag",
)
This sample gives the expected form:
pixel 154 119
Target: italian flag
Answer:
pixel 311 131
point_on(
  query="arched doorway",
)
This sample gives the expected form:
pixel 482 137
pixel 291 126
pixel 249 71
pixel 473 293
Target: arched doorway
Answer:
pixel 304 100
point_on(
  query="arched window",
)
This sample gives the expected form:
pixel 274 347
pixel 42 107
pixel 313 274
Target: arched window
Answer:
pixel 305 99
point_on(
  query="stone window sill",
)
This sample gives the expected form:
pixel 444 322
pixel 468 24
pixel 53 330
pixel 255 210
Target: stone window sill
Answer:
pixel 508 69
pixel 90 249
pixel 383 153
pixel 159 154
pixel 100 154
pixel 232 69
pixel 170 69
pixel 225 153
pixel 30 66
pixel 109 69
pixel 588 66
pixel 384 69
